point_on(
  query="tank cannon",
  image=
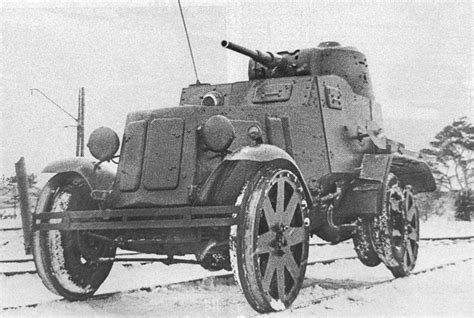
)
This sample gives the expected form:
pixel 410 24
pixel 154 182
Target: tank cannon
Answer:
pixel 267 59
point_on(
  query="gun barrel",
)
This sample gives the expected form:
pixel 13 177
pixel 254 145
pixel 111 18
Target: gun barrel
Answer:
pixel 268 59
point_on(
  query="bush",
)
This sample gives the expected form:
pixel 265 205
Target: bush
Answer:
pixel 464 205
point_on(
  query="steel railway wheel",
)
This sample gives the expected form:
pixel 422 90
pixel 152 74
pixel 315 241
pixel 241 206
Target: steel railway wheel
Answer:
pixel 395 232
pixel 269 246
pixel 69 262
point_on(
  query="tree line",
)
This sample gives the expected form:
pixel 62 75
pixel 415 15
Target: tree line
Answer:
pixel 10 197
pixel 451 158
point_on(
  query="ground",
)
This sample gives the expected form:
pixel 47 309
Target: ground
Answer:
pixel 342 288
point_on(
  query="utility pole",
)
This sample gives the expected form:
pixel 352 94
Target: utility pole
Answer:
pixel 80 125
pixel 79 120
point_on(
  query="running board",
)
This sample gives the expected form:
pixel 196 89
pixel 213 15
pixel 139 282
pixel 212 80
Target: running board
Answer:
pixel 137 218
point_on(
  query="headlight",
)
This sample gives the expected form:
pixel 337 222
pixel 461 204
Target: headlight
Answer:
pixel 217 133
pixel 213 98
pixel 103 143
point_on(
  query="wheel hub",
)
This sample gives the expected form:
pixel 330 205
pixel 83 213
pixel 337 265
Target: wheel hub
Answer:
pixel 90 248
pixel 280 239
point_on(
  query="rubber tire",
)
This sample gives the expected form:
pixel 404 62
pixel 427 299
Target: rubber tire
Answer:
pixel 243 240
pixel 402 269
pixel 363 244
pixel 392 253
pixel 62 266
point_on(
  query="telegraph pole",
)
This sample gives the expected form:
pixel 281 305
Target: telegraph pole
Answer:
pixel 80 125
pixel 79 120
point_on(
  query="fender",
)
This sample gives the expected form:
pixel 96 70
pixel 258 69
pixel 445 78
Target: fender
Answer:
pixel 414 172
pixel 364 195
pixel 409 171
pixel 98 179
pixel 226 182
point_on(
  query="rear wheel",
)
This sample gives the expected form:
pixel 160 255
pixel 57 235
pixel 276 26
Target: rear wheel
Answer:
pixel 395 232
pixel 72 264
pixel 363 243
pixel 269 246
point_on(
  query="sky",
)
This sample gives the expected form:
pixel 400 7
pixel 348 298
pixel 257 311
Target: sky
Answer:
pixel 133 55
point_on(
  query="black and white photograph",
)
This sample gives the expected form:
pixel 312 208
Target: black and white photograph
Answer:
pixel 237 158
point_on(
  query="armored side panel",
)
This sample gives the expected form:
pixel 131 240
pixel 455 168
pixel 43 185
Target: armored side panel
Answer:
pixel 287 110
pixel 345 115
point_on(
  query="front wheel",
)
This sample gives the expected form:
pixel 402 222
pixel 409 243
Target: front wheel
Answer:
pixel 269 246
pixel 71 264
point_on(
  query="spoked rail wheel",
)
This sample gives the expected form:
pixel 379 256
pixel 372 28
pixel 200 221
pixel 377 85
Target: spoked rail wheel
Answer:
pixel 396 231
pixel 269 246
pixel 71 264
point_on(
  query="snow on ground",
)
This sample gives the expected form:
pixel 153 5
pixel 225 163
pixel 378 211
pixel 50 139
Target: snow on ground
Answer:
pixel 10 217
pixel 122 278
pixel 444 226
pixel 446 291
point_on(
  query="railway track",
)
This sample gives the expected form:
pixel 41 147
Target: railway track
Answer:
pixel 376 283
pixel 217 278
pixel 228 279
pixel 143 261
pixel 129 261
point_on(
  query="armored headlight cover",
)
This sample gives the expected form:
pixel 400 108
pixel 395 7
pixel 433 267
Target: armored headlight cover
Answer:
pixel 217 133
pixel 103 143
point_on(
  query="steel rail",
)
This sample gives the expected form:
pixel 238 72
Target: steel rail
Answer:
pixel 25 260
pixel 226 277
pixel 166 261
pixel 154 259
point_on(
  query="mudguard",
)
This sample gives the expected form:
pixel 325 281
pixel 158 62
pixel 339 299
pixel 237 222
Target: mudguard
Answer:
pixel 98 179
pixel 364 194
pixel 414 172
pixel 409 171
pixel 226 182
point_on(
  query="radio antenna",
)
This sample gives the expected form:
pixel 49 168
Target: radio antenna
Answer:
pixel 189 43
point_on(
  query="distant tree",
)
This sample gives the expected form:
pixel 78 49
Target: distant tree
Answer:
pixel 464 204
pixel 11 192
pixel 452 162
